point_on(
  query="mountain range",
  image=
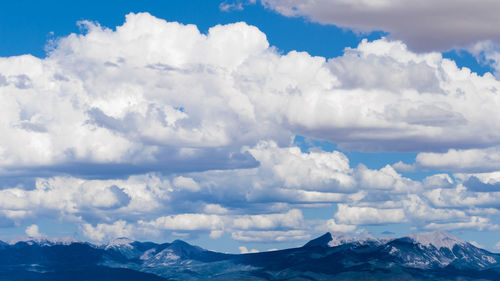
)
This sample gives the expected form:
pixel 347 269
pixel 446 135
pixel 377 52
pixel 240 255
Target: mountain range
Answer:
pixel 333 256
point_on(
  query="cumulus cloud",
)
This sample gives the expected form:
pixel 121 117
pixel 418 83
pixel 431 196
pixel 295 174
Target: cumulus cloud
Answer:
pixel 156 129
pixel 367 215
pixel 215 209
pixel 438 181
pixel 69 198
pixel 291 219
pixel 270 236
pixel 424 25
pixel 127 101
pixel 333 226
pixel 154 205
pixel 187 222
pixel 186 183
pixel 385 178
pixel 107 231
pixel 244 250
pixel 461 160
pixel 32 231
pixel 461 197
pixel 475 223
pixel 317 170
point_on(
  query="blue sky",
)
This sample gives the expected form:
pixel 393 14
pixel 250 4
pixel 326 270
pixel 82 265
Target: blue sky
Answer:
pixel 257 124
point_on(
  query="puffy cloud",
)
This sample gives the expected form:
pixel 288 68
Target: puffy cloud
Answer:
pixel 127 101
pixel 475 223
pixel 317 170
pixel 213 114
pixel 468 160
pixel 385 178
pixel 403 167
pixel 291 219
pixel 447 23
pixel 103 231
pixel 270 236
pixel 438 181
pixel 69 198
pixel 367 215
pixel 332 226
pixel 258 200
pixel 215 209
pixel 187 222
pixel 461 197
pixel 488 178
pixel 186 183
pixel 32 231
pixel 359 112
pixel 125 108
pixel 420 212
pixel 244 250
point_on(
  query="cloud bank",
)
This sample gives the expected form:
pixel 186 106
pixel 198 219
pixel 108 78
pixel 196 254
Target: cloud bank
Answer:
pixel 160 96
pixel 154 129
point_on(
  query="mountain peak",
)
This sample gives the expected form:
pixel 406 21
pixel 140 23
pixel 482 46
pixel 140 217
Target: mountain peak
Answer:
pixel 321 241
pixel 439 239
pixel 121 242
pixel 43 241
pixel 339 238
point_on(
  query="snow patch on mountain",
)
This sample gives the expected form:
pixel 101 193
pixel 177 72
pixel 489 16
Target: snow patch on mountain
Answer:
pixel 121 242
pixel 339 238
pixel 45 241
pixel 438 239
pixel 163 258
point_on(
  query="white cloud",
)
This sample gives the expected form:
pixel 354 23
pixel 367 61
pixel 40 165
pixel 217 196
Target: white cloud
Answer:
pixel 352 215
pixel 332 226
pixel 32 231
pixel 461 197
pixel 244 250
pixel 215 209
pixel 470 160
pixel 129 100
pixel 447 24
pixel 103 231
pixel 113 103
pixel 186 183
pixel 69 198
pixel 438 181
pixel 385 178
pixel 187 222
pixel 215 234
pixel 317 170
pixel 419 212
pixel 475 223
pixel 155 204
pixel 270 236
pixel 291 219
pixel 403 167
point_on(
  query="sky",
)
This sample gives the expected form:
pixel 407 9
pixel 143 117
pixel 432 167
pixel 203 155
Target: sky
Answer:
pixel 249 125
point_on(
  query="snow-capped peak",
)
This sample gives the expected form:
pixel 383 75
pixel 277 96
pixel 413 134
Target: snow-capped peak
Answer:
pixel 43 241
pixel 339 238
pixel 438 239
pixel 119 242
